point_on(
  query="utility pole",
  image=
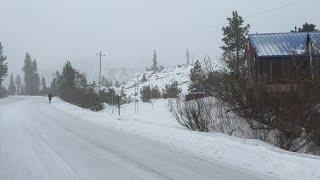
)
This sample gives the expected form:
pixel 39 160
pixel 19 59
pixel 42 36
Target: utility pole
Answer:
pixel 112 104
pixel 136 102
pixel 100 55
pixel 135 97
pixel 119 98
pixel 188 57
pixel 151 93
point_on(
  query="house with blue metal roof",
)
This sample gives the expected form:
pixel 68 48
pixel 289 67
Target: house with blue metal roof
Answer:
pixel 279 58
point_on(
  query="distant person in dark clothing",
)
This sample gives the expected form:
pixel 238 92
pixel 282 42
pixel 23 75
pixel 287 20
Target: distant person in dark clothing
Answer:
pixel 50 97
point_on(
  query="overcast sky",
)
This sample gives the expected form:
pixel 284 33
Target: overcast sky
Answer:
pixel 54 31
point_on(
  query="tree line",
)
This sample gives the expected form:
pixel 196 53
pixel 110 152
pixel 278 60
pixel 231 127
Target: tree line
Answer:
pixel 31 83
pixel 3 71
pixel 171 90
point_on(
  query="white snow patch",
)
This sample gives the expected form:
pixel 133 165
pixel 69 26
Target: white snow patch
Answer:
pixel 158 124
pixel 160 79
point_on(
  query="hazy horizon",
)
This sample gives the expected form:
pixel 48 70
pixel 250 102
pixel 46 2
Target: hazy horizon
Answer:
pixel 128 31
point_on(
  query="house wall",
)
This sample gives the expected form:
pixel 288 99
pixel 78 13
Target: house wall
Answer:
pixel 279 70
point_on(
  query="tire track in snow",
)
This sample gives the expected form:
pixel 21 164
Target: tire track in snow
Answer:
pixel 102 147
pixel 48 148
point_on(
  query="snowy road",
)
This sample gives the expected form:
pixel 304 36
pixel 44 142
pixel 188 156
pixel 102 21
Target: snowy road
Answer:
pixel 39 142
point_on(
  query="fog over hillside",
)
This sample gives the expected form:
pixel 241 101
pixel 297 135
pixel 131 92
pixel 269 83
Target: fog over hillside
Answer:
pixel 128 31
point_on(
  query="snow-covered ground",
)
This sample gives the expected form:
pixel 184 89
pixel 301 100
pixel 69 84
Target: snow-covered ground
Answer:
pixel 156 123
pixel 59 141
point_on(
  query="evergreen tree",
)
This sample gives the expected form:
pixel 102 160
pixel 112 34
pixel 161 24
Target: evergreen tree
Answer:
pixel 144 78
pixel 154 66
pixel 55 84
pixel 104 81
pixel 148 93
pixel 117 84
pixel 109 83
pixel 44 84
pixel 31 76
pixel 28 74
pixel 71 86
pixel 172 90
pixel 145 93
pixel 68 76
pixel 188 57
pixel 124 99
pixel 196 78
pixel 155 92
pixel 234 42
pixel 306 28
pixel 35 78
pixel 3 67
pixel 12 87
pixel 19 85
pixel 81 80
pixel 66 84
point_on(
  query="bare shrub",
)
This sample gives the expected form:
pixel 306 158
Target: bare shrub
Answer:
pixel 194 115
pixel 286 115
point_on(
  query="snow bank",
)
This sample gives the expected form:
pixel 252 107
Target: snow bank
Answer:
pixel 158 124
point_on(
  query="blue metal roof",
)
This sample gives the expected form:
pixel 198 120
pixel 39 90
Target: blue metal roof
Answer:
pixel 315 38
pixel 283 44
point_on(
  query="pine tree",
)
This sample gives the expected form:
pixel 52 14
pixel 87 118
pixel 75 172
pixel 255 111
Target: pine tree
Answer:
pixel 3 66
pixel 35 78
pixel 234 42
pixel 19 85
pixel 109 83
pixel 66 84
pixel 144 78
pixel 155 92
pixel 306 28
pixel 28 74
pixel 117 84
pixel 154 66
pixel 188 57
pixel 196 78
pixel 104 81
pixel 123 96
pixel 44 84
pixel 145 93
pixel 81 80
pixel 12 87
pixel 172 90
pixel 55 84
pixel 31 76
pixel 68 76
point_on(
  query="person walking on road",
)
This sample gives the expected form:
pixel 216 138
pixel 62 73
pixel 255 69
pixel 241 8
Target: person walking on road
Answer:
pixel 50 97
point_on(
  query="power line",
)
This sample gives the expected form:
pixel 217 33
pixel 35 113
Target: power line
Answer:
pixel 266 11
pixel 274 9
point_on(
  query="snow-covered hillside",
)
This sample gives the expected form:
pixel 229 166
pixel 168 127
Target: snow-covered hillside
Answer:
pixel 160 79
